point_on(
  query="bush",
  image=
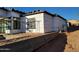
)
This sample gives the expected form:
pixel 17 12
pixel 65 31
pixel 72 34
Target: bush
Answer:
pixel 2 37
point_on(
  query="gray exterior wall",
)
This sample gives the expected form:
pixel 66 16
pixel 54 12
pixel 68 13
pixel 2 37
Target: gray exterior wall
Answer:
pixel 48 23
pixel 54 24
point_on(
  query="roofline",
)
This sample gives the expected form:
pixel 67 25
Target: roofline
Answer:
pixel 32 13
pixel 3 8
pixel 62 17
pixel 17 11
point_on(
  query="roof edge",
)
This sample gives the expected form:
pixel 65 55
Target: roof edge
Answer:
pixel 38 12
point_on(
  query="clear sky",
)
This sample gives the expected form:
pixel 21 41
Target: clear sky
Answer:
pixel 66 12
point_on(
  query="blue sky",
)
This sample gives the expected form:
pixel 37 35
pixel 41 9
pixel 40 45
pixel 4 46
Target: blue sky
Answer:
pixel 66 12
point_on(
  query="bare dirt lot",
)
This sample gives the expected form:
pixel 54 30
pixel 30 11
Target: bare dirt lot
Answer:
pixel 72 41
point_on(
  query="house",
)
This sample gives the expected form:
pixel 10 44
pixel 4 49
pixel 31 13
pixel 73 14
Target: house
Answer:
pixel 43 21
pixel 14 21
pixel 10 20
pixel 73 22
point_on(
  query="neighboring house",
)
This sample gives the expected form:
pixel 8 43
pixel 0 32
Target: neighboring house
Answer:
pixel 73 22
pixel 14 21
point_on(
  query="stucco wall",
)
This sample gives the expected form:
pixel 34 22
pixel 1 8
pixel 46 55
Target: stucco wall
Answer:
pixel 2 13
pixel 13 14
pixel 53 23
pixel 39 18
pixel 59 23
pixel 48 23
pixel 23 24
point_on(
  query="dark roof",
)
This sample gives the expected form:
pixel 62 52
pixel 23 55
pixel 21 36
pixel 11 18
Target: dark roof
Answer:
pixel 62 17
pixel 17 11
pixel 4 8
pixel 39 11
pixel 32 13
pixel 12 9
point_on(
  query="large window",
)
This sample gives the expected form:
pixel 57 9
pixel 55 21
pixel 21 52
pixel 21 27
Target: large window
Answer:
pixel 16 24
pixel 8 25
pixel 4 25
pixel 31 23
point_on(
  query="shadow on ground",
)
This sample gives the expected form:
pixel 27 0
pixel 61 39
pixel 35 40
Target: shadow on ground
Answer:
pixel 56 45
pixel 28 45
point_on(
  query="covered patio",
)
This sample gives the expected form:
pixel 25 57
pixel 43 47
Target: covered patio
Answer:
pixel 5 24
pixel 8 25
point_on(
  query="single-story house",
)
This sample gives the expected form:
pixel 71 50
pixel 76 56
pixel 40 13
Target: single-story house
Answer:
pixel 43 21
pixel 14 21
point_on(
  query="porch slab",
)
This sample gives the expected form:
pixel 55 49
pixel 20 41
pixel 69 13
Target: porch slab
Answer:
pixel 18 35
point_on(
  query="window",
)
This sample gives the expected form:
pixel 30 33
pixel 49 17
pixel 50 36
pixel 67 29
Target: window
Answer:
pixel 16 24
pixel 31 23
pixel 9 17
pixel 8 25
pixel 4 25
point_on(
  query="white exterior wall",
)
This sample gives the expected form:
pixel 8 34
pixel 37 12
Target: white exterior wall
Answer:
pixel 39 18
pixel 47 23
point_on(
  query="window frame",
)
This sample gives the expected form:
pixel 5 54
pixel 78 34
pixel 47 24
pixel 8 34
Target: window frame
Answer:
pixel 31 23
pixel 16 24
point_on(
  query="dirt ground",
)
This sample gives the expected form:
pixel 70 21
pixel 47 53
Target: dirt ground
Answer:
pixel 72 41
